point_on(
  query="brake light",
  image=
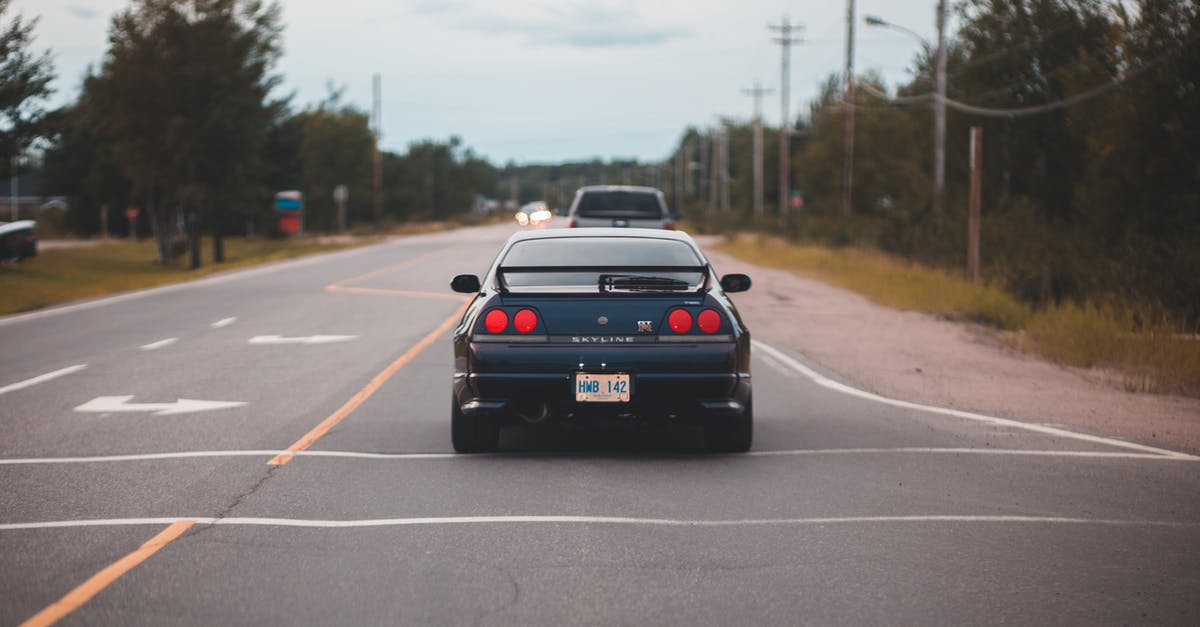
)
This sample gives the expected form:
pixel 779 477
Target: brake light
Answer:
pixel 670 226
pixel 496 321
pixel 708 321
pixel 525 321
pixel 680 321
pixel 572 224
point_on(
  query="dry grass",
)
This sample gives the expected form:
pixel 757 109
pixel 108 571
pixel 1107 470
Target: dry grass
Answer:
pixel 60 275
pixel 1152 353
pixel 885 280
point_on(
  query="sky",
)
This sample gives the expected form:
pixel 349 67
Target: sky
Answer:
pixel 540 81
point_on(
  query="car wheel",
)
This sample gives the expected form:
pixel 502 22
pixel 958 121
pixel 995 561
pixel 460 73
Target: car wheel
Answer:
pixel 731 434
pixel 472 434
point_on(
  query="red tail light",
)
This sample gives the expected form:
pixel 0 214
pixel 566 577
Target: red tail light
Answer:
pixel 572 224
pixel 496 321
pixel 670 226
pixel 525 321
pixel 708 321
pixel 680 321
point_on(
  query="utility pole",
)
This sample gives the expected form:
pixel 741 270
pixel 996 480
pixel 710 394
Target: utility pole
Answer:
pixel 939 114
pixel 14 198
pixel 725 169
pixel 973 211
pixel 848 115
pixel 785 40
pixel 757 93
pixel 714 175
pixel 376 159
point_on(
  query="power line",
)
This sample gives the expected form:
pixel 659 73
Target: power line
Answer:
pixel 1082 96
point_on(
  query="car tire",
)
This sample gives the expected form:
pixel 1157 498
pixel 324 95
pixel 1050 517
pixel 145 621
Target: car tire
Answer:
pixel 731 434
pixel 472 434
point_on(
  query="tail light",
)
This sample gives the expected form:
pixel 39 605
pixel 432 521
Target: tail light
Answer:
pixel 525 321
pixel 709 321
pixel 572 224
pixel 680 321
pixel 497 321
pixel 670 226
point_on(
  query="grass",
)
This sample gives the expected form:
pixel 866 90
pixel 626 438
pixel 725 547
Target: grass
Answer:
pixel 61 275
pixel 1152 352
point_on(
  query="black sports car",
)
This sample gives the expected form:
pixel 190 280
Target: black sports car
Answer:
pixel 607 323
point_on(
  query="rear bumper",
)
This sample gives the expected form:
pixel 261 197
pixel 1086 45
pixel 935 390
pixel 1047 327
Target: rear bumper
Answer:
pixel 658 397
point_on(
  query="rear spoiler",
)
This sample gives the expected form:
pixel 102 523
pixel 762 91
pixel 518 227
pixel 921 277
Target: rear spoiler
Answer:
pixel 502 285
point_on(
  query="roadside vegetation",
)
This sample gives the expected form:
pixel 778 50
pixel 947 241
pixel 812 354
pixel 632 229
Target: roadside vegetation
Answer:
pixel 1146 346
pixel 60 275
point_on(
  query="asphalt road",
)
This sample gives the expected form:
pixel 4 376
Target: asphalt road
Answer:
pixel 850 509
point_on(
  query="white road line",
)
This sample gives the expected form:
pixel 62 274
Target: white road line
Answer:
pixel 213 279
pixel 62 372
pixel 159 344
pixel 223 322
pixel 137 457
pixel 592 520
pixel 992 420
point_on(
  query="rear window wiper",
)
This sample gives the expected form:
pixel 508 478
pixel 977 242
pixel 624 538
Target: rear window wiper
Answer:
pixel 634 282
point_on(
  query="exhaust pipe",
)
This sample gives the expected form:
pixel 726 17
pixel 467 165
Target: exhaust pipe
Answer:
pixel 533 412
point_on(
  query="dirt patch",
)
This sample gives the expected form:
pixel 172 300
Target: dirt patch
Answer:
pixel 923 358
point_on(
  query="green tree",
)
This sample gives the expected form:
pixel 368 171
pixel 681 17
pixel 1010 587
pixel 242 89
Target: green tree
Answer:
pixel 182 96
pixel 24 85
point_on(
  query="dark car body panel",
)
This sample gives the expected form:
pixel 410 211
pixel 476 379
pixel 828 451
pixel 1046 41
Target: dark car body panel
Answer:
pixel 689 377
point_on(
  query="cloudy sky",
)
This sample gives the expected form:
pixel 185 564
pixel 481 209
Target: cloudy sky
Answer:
pixel 541 80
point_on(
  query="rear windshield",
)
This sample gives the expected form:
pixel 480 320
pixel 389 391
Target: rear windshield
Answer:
pixel 600 252
pixel 619 204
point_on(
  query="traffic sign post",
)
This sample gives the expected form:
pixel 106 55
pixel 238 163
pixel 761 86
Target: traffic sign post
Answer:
pixel 340 195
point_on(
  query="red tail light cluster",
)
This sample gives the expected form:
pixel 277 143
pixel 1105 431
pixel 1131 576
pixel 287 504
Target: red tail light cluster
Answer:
pixel 572 224
pixel 670 226
pixel 680 321
pixel 496 321
pixel 524 321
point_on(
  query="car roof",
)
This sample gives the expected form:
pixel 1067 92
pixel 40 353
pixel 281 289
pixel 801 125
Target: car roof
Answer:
pixel 641 189
pixel 681 236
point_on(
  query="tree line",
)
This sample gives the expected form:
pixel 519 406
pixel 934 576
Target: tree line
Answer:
pixel 1099 199
pixel 1095 201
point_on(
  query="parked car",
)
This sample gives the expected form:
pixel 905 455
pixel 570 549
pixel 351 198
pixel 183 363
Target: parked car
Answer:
pixel 576 324
pixel 17 240
pixel 620 206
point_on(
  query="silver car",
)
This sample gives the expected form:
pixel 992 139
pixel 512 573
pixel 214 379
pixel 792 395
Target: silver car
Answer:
pixel 620 206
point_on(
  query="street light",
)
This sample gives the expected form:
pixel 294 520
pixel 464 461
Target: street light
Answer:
pixel 939 99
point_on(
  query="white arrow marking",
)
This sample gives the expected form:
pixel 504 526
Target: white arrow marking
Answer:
pixel 311 339
pixel 109 404
pixel 224 322
pixel 159 344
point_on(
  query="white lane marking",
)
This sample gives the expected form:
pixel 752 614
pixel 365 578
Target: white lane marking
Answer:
pixel 310 339
pixel 223 277
pixel 159 344
pixel 993 420
pixel 592 520
pixel 110 404
pixel 62 372
pixel 223 322
pixel 135 457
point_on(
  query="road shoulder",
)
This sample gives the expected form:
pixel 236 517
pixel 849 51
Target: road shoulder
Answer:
pixel 922 358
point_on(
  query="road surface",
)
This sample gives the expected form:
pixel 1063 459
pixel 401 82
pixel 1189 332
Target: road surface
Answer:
pixel 272 446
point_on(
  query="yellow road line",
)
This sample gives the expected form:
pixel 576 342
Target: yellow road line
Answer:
pixel 385 292
pixel 365 393
pixel 101 580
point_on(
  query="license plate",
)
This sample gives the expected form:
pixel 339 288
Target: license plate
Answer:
pixel 601 388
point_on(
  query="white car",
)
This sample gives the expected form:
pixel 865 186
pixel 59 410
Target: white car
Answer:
pixel 620 206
